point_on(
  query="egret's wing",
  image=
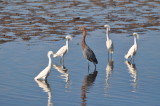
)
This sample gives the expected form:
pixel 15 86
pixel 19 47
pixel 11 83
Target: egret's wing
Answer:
pixel 130 52
pixel 62 51
pixel 44 73
pixel 89 54
pixel 110 46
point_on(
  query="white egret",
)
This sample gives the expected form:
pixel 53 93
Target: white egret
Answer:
pixel 44 73
pixel 132 51
pixel 64 49
pixel 109 42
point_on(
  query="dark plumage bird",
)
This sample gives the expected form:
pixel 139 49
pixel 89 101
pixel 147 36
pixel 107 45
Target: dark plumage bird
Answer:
pixel 87 52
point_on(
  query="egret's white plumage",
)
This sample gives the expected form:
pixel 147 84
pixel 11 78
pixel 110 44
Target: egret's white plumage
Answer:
pixel 132 51
pixel 109 42
pixel 44 73
pixel 62 51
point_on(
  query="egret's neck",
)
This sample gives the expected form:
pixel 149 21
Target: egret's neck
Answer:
pixel 67 42
pixel 83 39
pixel 50 61
pixel 107 33
pixel 135 40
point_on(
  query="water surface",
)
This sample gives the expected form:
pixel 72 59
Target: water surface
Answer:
pixel 30 28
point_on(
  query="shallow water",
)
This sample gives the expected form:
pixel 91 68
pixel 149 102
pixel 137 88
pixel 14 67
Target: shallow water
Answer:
pixel 30 28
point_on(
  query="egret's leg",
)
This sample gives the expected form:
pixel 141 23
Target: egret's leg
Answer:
pixel 62 60
pixel 88 67
pixel 111 55
pixel 95 67
pixel 133 60
pixel 108 56
pixel 130 60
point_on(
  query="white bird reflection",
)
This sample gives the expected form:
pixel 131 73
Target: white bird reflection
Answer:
pixel 109 69
pixel 46 88
pixel 64 73
pixel 87 83
pixel 133 71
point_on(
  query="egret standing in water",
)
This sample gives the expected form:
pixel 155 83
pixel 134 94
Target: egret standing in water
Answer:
pixel 87 52
pixel 109 42
pixel 64 49
pixel 132 51
pixel 44 73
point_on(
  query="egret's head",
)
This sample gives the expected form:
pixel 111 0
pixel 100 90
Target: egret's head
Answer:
pixel 82 28
pixel 107 26
pixel 69 37
pixel 50 52
pixel 136 35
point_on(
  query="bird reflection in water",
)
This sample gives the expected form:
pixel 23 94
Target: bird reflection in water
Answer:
pixel 133 71
pixel 109 69
pixel 87 84
pixel 64 73
pixel 46 88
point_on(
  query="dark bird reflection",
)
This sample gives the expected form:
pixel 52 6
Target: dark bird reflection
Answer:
pixel 64 73
pixel 46 88
pixel 87 84
pixel 133 71
pixel 109 69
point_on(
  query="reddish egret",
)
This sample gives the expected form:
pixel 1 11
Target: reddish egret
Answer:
pixel 109 42
pixel 87 52
pixel 132 51
pixel 62 51
pixel 44 73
